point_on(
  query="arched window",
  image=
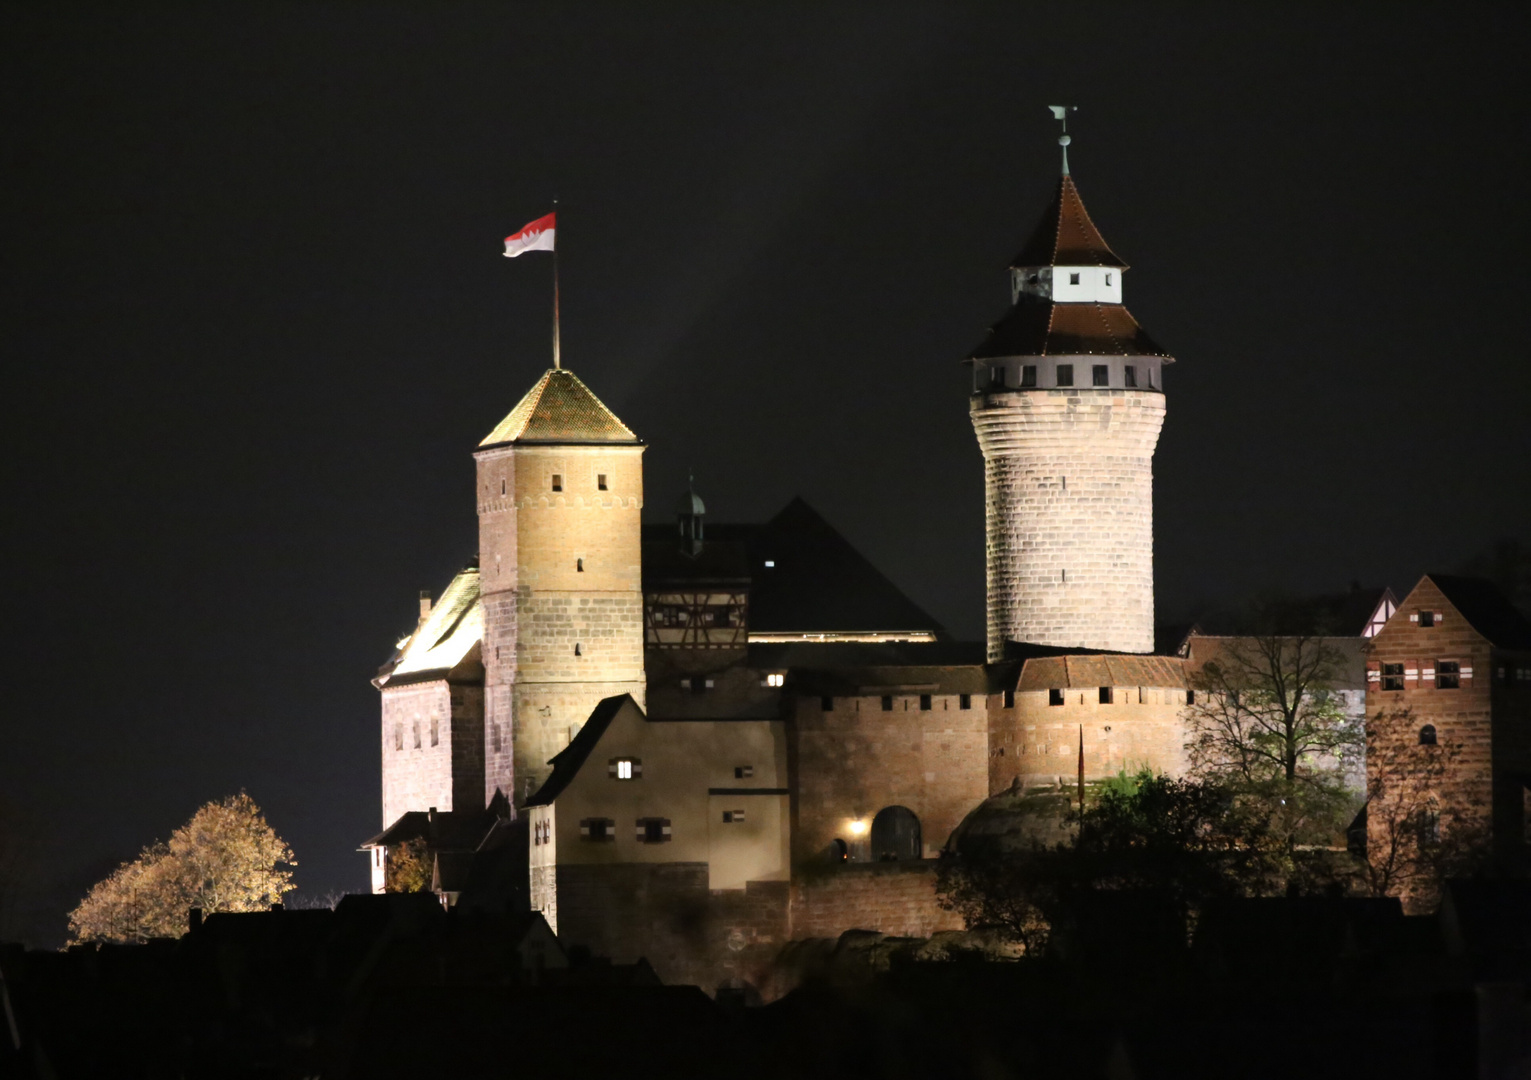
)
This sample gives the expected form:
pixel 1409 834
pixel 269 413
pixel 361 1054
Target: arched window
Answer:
pixel 838 851
pixel 895 834
pixel 1427 735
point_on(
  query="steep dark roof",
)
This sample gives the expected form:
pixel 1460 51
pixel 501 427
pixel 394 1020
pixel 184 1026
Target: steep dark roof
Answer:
pixel 559 409
pixel 819 583
pixel 664 562
pixel 1066 236
pixel 452 830
pixel 1487 610
pixel 566 763
pixel 1038 327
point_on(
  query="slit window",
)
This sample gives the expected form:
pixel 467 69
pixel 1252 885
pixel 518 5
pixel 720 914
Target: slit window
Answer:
pixel 1055 696
pixel 1130 375
pixel 579 565
pixel 1100 375
pixel 1028 374
pixel 1392 676
pixel 600 481
pixel 558 481
pixel 502 487
pixel 1448 675
pixel 1065 374
pixel 625 768
pixel 577 650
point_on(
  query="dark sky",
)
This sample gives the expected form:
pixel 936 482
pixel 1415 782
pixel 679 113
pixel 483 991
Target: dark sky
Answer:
pixel 254 318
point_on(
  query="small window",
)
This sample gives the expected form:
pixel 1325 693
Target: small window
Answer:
pixel 964 701
pixel 435 731
pixel 652 830
pixel 1427 735
pixel 996 377
pixel 1426 618
pixel 1055 696
pixel 398 737
pixel 1190 697
pixel 887 703
pixel 577 650
pixel 1130 375
pixel 1028 374
pixel 924 702
pixel 826 704
pixel 1108 279
pixel 1073 279
pixel 417 734
pixel 838 851
pixel 1009 699
pixel 1100 375
pixel 700 685
pixel 502 487
pixel 1150 378
pixel 1065 374
pixel 624 768
pixel 1448 675
pixel 558 481
pixel 733 817
pixel 1105 695
pixel 600 481
pixel 579 566
pixel 598 829
pixel 1392 676
pixel 776 678
pixel 744 772
pixel 770 564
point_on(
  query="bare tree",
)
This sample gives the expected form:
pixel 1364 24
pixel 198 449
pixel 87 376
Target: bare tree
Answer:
pixel 226 858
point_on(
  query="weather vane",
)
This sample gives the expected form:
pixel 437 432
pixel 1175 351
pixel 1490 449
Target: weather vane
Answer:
pixel 1061 114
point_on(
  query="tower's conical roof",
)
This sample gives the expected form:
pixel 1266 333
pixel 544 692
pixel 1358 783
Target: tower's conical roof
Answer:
pixel 560 409
pixel 1066 236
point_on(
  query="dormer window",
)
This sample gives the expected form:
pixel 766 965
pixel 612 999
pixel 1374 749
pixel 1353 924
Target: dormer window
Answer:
pixel 1073 279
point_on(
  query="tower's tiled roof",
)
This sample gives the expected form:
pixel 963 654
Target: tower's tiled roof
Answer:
pixel 560 409
pixel 1066 236
pixel 1037 327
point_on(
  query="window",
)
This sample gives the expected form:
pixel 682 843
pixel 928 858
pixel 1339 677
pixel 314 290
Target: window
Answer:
pixel 494 737
pixel 1130 375
pixel 1009 699
pixel 435 731
pixel 1105 695
pixel 964 701
pixel 924 703
pixel 1150 378
pixel 652 830
pixel 1392 676
pixel 1055 696
pixel 1028 374
pixel 1073 279
pixel 887 703
pixel 502 487
pixel 577 650
pixel 827 703
pixel 624 768
pixel 579 565
pixel 398 737
pixel 776 678
pixel 744 772
pixel 1065 374
pixel 1427 735
pixel 996 377
pixel 1426 618
pixel 417 734
pixel 598 829
pixel 733 817
pixel 1100 375
pixel 600 481
pixel 699 685
pixel 770 564
pixel 558 481
pixel 1108 279
pixel 1190 697
pixel 1448 675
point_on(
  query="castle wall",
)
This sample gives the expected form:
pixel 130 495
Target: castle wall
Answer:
pixel 1038 743
pixel 1069 516
pixel 424 726
pixel 895 898
pixel 855 759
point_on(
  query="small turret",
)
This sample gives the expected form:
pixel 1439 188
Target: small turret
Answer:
pixel 688 515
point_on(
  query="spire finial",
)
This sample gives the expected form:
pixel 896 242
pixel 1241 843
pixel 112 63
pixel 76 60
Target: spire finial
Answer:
pixel 1060 114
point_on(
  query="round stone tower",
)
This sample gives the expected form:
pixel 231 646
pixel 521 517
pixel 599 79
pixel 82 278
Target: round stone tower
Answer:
pixel 1068 400
pixel 560 497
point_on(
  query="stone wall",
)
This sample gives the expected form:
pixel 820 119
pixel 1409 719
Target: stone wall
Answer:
pixel 856 759
pixel 420 723
pixel 896 898
pixel 665 913
pixel 1069 516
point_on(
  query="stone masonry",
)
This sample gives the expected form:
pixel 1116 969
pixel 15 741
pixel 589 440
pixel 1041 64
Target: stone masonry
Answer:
pixel 432 736
pixel 1069 512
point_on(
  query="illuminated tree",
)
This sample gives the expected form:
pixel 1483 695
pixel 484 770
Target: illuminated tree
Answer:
pixel 409 867
pixel 226 858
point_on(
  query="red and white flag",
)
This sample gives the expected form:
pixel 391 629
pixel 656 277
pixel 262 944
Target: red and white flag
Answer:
pixel 538 236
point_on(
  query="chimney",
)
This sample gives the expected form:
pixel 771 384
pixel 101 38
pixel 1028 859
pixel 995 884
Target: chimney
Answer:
pixel 425 605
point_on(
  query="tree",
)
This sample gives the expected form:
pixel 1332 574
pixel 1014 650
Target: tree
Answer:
pixel 1268 720
pixel 1178 844
pixel 1421 826
pixel 226 858
pixel 409 867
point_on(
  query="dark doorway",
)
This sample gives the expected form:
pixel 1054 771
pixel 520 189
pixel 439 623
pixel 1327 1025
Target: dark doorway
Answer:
pixel 895 834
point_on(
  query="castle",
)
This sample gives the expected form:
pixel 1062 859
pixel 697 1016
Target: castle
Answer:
pixel 696 741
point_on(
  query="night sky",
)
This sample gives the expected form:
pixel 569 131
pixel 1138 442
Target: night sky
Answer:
pixel 254 319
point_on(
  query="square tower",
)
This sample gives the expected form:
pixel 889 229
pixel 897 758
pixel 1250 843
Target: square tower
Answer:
pixel 560 497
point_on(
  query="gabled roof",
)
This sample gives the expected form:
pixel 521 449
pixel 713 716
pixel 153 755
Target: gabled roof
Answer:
pixel 1066 236
pixel 559 409
pixel 1101 669
pixel 454 626
pixel 566 763
pixel 1038 327
pixel 1486 608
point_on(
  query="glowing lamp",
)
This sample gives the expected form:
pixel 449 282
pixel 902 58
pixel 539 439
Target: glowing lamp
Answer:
pixel 858 827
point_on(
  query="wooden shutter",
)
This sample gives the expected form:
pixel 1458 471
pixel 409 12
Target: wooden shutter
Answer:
pixel 1374 674
pixel 1465 676
pixel 1411 674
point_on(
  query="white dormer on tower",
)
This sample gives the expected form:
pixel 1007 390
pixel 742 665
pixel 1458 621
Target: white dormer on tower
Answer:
pixel 1068 284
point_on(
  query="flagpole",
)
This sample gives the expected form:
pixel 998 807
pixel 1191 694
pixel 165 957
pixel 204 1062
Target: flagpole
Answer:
pixel 557 359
